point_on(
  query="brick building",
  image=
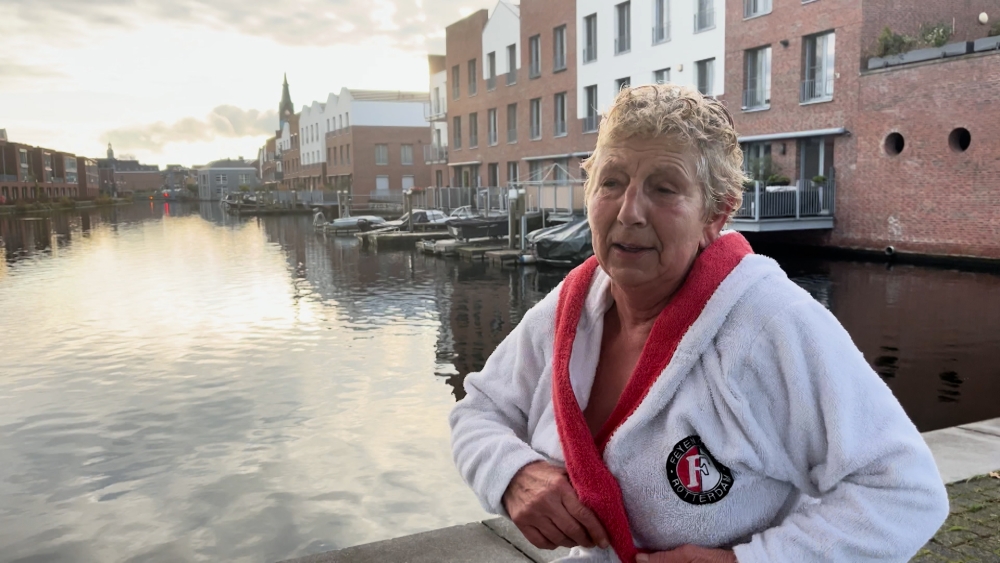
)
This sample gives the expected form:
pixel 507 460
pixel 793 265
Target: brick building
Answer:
pixel 89 178
pixel 30 173
pixel 807 108
pixel 511 88
pixel 288 153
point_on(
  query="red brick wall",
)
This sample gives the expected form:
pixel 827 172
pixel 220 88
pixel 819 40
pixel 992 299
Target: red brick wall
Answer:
pixel 907 16
pixel 363 167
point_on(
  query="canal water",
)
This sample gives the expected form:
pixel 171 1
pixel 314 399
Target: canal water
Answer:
pixel 178 385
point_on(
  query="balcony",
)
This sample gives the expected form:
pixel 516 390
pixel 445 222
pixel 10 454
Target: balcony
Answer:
pixel 512 77
pixel 437 111
pixel 816 90
pixel 756 97
pixel 661 33
pixel 806 205
pixel 623 44
pixel 435 154
pixel 704 20
pixel 512 135
pixel 589 54
pixel 491 83
pixel 754 8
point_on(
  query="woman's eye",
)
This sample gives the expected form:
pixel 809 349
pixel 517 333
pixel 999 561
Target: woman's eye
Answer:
pixel 664 190
pixel 609 183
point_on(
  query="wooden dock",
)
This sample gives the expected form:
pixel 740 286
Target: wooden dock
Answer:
pixel 397 240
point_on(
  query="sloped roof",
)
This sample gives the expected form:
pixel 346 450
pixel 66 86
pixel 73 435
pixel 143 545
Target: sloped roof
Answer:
pixel 388 96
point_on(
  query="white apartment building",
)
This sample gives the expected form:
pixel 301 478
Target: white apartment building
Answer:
pixel 639 42
pixel 437 116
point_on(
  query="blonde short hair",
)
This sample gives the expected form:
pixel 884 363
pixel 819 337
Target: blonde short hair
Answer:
pixel 682 113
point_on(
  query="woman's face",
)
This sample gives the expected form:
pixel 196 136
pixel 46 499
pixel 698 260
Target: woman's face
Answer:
pixel 647 213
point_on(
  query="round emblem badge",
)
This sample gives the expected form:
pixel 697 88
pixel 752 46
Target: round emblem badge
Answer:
pixel 695 475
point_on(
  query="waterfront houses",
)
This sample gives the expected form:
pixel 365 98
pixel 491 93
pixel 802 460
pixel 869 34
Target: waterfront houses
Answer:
pixel 30 173
pixel 220 178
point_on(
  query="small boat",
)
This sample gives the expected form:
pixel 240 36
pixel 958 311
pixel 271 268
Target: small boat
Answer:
pixel 568 244
pixel 359 223
pixel 494 226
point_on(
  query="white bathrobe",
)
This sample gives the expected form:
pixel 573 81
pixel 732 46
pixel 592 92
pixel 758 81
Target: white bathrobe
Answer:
pixel 767 432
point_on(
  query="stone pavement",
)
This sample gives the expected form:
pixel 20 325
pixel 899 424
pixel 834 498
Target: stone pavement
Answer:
pixel 972 531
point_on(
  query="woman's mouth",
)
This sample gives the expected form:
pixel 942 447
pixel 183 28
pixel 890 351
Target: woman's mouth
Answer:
pixel 630 248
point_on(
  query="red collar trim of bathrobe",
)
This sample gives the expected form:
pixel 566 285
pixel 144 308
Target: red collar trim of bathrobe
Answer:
pixel 593 481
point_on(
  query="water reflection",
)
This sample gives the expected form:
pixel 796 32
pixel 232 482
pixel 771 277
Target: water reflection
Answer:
pixel 182 385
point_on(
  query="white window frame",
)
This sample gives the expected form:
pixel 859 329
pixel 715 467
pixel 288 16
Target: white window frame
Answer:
pixel 661 76
pixel 535 118
pixel 406 154
pixel 590 38
pixel 623 27
pixel 381 154
pixel 706 68
pixel 661 21
pixel 559 105
pixel 559 48
pixel 757 78
pixel 535 56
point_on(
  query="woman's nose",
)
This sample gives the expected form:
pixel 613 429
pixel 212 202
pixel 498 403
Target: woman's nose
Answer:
pixel 633 207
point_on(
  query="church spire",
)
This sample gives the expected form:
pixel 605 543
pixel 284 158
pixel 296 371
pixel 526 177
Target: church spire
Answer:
pixel 111 152
pixel 286 108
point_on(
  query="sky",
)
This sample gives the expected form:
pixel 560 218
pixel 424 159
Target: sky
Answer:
pixel 191 81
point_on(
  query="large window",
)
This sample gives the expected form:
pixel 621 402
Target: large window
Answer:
pixel 754 8
pixel 623 27
pixel 817 80
pixel 535 170
pixel 535 56
pixel 511 123
pixel 661 76
pixel 661 21
pixel 513 174
pixel 536 118
pixel 706 74
pixel 473 82
pixel 590 38
pixel 511 64
pixel 382 185
pixel 493 174
pixel 406 154
pixel 491 126
pixel 590 122
pixel 757 88
pixel 559 48
pixel 560 114
pixel 382 155
pixel 757 162
pixel 473 130
pixel 491 71
pixel 704 15
pixel 456 132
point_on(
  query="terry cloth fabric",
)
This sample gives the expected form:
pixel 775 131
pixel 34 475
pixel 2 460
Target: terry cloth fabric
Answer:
pixel 767 432
pixel 594 483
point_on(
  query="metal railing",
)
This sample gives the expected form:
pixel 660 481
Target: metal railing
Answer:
pixel 661 33
pixel 511 135
pixel 435 153
pixel 756 95
pixel 816 89
pixel 560 128
pixel 590 124
pixel 704 20
pixel 590 53
pixel 512 77
pixel 436 112
pixel 623 44
pixel 753 8
pixel 805 199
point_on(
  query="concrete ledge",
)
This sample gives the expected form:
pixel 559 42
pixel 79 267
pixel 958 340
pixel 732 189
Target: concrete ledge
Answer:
pixel 509 532
pixel 965 451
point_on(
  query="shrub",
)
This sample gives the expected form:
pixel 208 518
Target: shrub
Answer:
pixel 66 203
pixel 778 180
pixel 820 179
pixel 936 35
pixel 103 200
pixel 21 206
pixel 995 30
pixel 890 43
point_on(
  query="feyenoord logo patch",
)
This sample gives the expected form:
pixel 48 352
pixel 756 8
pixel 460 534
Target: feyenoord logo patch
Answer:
pixel 695 475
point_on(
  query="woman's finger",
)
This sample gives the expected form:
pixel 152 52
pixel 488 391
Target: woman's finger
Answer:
pixel 537 539
pixel 587 519
pixel 552 533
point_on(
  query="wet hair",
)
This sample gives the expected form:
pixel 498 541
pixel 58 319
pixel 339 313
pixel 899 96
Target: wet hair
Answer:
pixel 679 112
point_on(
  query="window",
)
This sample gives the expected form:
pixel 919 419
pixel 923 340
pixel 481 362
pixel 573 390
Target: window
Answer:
pixel 704 15
pixel 754 8
pixel 535 170
pixel 757 89
pixel 244 179
pixel 491 126
pixel 512 171
pixel 661 21
pixel 590 38
pixel 455 88
pixel 560 168
pixel 757 160
pixel 622 83
pixel 342 153
pixel 382 185
pixel 590 122
pixel 559 48
pixel 536 118
pixel 473 84
pixel 347 153
pixel 406 154
pixel 511 65
pixel 560 114
pixel 491 71
pixel 221 179
pixel 623 28
pixel 535 56
pixel 456 131
pixel 661 76
pixel 407 183
pixel 382 155
pixel 817 82
pixel 473 130
pixel 24 157
pixel 438 178
pixel 347 119
pixel 511 123
pixel 705 70
pixel 493 174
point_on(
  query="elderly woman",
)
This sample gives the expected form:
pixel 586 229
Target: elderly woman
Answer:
pixel 678 398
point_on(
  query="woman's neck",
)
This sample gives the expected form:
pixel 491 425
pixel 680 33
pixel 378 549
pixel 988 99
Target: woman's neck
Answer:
pixel 638 308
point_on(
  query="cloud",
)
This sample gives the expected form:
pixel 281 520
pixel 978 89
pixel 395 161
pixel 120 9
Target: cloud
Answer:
pixel 11 70
pixel 223 121
pixel 305 22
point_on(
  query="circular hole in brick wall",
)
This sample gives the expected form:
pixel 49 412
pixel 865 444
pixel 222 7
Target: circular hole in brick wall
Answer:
pixel 894 144
pixel 959 139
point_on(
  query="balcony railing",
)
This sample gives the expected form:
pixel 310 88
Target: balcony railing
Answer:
pixel 756 96
pixel 753 8
pixel 661 33
pixel 436 111
pixel 8 178
pixel 491 83
pixel 560 128
pixel 806 199
pixel 814 90
pixel 623 44
pixel 704 20
pixel 590 54
pixel 512 77
pixel 590 124
pixel 512 135
pixel 435 153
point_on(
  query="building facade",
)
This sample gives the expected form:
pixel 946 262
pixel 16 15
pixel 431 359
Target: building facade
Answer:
pixel 36 173
pixel 89 178
pixel 436 153
pixel 223 177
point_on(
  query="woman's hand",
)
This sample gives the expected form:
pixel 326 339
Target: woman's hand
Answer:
pixel 689 554
pixel 543 505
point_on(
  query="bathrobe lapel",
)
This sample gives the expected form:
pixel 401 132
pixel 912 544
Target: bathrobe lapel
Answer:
pixel 593 481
